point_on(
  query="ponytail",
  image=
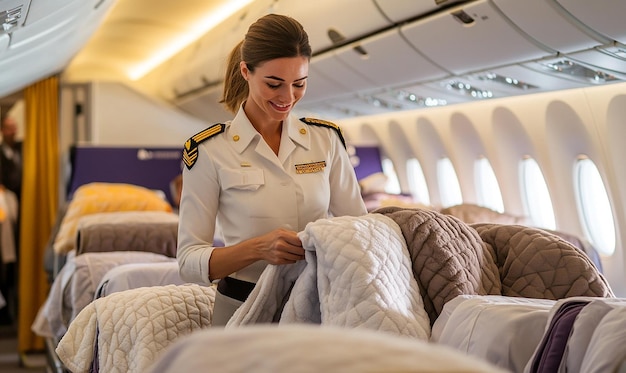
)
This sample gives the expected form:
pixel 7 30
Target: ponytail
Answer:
pixel 235 86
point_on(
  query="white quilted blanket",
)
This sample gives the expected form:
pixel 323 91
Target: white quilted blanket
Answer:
pixel 129 329
pixel 357 274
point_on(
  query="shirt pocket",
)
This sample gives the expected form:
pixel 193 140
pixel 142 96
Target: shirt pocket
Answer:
pixel 249 179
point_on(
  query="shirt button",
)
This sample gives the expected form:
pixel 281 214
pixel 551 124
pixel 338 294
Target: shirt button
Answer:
pixel 303 131
pixel 236 138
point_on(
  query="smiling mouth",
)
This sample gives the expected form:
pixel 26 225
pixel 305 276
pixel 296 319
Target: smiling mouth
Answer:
pixel 280 107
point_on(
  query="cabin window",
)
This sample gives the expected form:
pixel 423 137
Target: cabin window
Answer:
pixel 417 182
pixel 448 183
pixel 594 206
pixel 536 195
pixel 487 187
pixel 393 185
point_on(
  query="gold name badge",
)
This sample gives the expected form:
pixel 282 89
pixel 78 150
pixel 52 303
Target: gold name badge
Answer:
pixel 309 168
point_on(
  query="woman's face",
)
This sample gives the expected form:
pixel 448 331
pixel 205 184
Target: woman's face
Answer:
pixel 275 86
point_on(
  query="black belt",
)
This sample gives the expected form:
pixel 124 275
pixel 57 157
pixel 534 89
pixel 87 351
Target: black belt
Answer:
pixel 235 288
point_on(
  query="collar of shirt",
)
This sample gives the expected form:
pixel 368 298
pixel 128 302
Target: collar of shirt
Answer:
pixel 242 132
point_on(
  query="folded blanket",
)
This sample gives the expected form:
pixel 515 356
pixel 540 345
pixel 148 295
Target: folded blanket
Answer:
pixel 357 274
pixel 129 329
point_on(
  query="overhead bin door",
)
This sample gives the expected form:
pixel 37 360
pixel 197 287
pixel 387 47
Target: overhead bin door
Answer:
pixel 387 59
pixel 472 37
pixel 352 19
pixel 603 16
pixel 547 23
pixel 401 10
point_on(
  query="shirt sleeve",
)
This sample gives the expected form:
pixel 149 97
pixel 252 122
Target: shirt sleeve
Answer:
pixel 197 217
pixel 345 193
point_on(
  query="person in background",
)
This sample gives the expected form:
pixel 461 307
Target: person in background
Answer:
pixel 10 192
pixel 11 156
pixel 264 175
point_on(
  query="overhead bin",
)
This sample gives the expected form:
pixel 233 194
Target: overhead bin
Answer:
pixel 401 10
pixel 203 64
pixel 58 45
pixel 205 105
pixel 557 29
pixel 603 16
pixel 321 87
pixel 472 37
pixel 387 59
pixel 46 19
pixel 351 19
pixel 333 68
pixel 4 43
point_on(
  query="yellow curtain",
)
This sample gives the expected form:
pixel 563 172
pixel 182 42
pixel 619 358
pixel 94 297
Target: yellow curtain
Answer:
pixel 39 202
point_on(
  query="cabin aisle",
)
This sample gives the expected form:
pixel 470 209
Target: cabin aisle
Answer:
pixel 9 358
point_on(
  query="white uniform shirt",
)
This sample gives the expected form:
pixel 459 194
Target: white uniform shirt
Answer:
pixel 240 183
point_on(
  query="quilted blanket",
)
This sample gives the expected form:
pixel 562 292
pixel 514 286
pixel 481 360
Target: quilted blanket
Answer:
pixel 129 329
pixel 534 263
pixel 357 274
pixel 448 257
pixel 451 258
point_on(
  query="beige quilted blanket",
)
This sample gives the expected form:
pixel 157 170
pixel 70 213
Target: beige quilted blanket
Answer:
pixel 451 258
pixel 129 329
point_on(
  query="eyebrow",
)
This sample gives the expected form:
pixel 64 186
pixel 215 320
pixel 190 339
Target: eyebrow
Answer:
pixel 282 80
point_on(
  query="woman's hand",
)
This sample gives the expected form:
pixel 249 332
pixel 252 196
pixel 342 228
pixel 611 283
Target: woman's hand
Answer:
pixel 281 246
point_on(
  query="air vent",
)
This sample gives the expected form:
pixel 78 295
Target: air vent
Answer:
pixel 10 18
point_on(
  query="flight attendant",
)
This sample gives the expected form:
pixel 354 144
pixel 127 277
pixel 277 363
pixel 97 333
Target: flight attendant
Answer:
pixel 264 175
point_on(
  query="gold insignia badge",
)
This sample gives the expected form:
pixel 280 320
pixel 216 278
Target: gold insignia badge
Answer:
pixel 190 150
pixel 309 168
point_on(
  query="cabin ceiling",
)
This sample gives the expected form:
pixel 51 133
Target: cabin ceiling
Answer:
pixel 370 56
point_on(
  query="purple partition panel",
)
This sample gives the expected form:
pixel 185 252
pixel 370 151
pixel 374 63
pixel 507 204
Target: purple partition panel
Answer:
pixel 366 160
pixel 153 168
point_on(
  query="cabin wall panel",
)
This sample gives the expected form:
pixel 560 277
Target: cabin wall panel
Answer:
pixel 122 116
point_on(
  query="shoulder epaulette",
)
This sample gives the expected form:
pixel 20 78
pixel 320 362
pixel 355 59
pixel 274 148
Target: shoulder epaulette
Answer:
pixel 190 151
pixel 325 123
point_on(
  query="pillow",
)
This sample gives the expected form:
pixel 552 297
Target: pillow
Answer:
pixel 99 197
pixel 373 183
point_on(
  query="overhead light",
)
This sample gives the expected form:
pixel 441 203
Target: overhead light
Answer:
pixel 419 100
pixel 506 80
pixel 199 29
pixel 567 68
pixel 467 89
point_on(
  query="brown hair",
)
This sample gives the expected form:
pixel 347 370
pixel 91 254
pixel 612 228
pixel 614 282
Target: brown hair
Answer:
pixel 270 37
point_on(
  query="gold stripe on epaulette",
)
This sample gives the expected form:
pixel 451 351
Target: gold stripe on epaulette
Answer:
pixel 325 123
pixel 199 137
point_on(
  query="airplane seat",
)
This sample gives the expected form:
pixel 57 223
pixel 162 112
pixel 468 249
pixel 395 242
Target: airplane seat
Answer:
pixel 470 214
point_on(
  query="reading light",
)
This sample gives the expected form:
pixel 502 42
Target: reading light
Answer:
pixel 200 28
